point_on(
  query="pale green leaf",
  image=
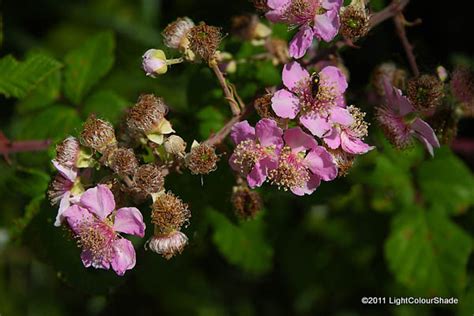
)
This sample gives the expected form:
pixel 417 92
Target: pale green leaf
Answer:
pixel 86 65
pixel 106 104
pixel 428 253
pixel 17 78
pixel 244 244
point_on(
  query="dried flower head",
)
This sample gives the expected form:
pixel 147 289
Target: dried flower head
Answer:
pixel 279 50
pixel 175 145
pixel 425 92
pixel 149 179
pixel 202 159
pixel 261 5
pixel 344 161
pixel 263 106
pixel 248 27
pixel 397 77
pixel 98 134
pixel 147 114
pixel 167 245
pixel 175 34
pixel 204 40
pixel 169 212
pixel 67 152
pixel 462 86
pixel 247 203
pixel 354 22
pixel 123 161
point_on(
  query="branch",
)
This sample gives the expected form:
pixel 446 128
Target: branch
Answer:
pixel 8 147
pixel 390 11
pixel 399 21
pixel 229 96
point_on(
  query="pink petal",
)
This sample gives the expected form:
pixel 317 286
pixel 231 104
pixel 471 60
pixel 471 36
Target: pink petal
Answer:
pixel 331 4
pixel 99 200
pixel 268 133
pixel 68 173
pixel 242 131
pixel 326 25
pixel 234 166
pixel 124 256
pixel 63 205
pixel 353 145
pixel 425 131
pixel 333 139
pixel 87 261
pixel 321 163
pixel 425 143
pixel 75 215
pixel 285 104
pixel 293 74
pixel 298 140
pixel 275 4
pixel 317 125
pixel 310 187
pixel 341 116
pixel 258 175
pixel 129 220
pixel 301 42
pixel 333 77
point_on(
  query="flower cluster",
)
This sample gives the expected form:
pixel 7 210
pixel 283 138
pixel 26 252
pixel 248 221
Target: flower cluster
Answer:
pixel 293 159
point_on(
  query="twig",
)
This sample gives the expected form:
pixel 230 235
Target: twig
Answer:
pixel 390 11
pixel 399 21
pixel 8 147
pixel 229 96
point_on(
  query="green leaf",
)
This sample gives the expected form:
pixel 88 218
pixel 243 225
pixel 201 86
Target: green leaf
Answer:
pixel 52 122
pixel 31 210
pixel 46 93
pixel 86 65
pixel 242 245
pixel 428 253
pixel 210 120
pixel 446 181
pixel 106 104
pixel 17 79
pixel 268 74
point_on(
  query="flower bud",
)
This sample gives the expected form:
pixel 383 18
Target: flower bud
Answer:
pixel 175 34
pixel 204 40
pixel 123 161
pixel 442 73
pixel 98 134
pixel 425 92
pixel 169 212
pixel 175 145
pixel 154 62
pixel 147 114
pixel 247 203
pixel 354 21
pixel 202 159
pixel 149 179
pixel 167 245
pixel 67 152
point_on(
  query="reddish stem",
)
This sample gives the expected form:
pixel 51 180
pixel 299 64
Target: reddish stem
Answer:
pixel 399 21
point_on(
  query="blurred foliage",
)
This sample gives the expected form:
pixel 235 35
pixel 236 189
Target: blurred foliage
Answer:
pixel 399 225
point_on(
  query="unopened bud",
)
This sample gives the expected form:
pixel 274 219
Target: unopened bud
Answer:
pixel 169 212
pixel 175 34
pixel 98 134
pixel 202 159
pixel 167 245
pixel 425 92
pixel 247 203
pixel 442 73
pixel 204 40
pixel 175 145
pixel 149 179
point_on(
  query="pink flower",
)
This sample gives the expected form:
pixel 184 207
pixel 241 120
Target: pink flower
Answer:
pixel 314 18
pixel 302 164
pixel 257 149
pixel 401 123
pixel 318 104
pixel 96 225
pixel 349 138
pixel 64 189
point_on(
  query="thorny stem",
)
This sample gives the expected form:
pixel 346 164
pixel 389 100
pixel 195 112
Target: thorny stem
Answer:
pixel 9 147
pixel 399 21
pixel 229 96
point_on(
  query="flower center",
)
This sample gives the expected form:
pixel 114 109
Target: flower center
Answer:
pixel 248 153
pixel 96 237
pixel 301 11
pixel 291 171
